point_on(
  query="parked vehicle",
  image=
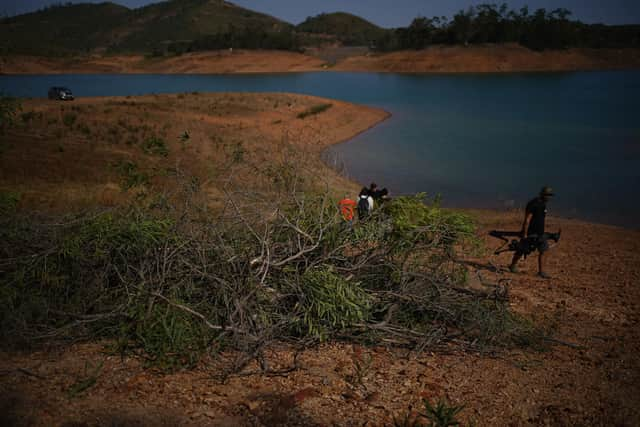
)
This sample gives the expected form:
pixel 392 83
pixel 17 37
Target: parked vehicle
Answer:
pixel 60 93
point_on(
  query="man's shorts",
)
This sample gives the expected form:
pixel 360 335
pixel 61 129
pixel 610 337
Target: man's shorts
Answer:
pixel 534 243
pixel 541 243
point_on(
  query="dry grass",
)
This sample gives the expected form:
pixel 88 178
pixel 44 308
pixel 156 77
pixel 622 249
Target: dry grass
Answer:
pixel 70 155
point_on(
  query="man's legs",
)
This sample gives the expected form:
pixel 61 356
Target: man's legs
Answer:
pixel 541 263
pixel 541 272
pixel 516 257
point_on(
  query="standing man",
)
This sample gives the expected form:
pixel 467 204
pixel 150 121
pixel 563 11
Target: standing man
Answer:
pixel 535 239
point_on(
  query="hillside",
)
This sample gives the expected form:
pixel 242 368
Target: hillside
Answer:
pixel 68 29
pixel 75 146
pixel 348 28
pixel 89 27
pixel 189 20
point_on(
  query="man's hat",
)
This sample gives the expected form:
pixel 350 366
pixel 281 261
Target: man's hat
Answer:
pixel 546 191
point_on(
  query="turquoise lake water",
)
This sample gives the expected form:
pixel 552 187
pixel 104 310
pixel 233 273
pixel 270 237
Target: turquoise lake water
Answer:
pixel 487 141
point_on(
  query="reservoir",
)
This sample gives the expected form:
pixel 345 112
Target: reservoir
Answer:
pixel 479 140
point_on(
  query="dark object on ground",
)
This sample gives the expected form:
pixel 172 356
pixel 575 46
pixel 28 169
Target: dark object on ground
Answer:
pixel 60 93
pixel 524 246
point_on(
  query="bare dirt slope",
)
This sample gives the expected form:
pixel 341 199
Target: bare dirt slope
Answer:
pixel 592 379
pixel 215 62
pixel 491 59
pixel 458 59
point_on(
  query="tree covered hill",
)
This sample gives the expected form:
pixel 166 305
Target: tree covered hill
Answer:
pixel 191 20
pixel 347 28
pixel 58 29
pixel 73 28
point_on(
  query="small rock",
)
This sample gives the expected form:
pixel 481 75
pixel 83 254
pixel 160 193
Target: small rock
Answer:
pixel 372 397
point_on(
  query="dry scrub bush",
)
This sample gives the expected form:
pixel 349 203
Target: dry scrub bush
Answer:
pixel 316 109
pixel 8 108
pixel 171 280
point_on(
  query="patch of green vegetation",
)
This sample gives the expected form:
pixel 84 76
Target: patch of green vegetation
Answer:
pixel 61 279
pixel 237 155
pixel 169 336
pixel 316 109
pixel 155 146
pixel 330 303
pixel 8 108
pixel 9 201
pixel 27 116
pixel 131 175
pixel 440 415
pixel 86 380
pixel 414 219
pixel 69 119
pixel 84 129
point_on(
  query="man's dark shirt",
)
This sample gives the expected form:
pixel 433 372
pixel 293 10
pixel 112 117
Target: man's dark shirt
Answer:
pixel 538 209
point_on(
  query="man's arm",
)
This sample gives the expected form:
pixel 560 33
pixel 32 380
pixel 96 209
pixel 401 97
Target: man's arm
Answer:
pixel 527 217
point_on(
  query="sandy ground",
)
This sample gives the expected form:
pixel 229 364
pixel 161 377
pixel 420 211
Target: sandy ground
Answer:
pixel 490 58
pixel 590 376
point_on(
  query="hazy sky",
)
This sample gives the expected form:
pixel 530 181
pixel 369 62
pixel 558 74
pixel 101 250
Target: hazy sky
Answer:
pixel 391 13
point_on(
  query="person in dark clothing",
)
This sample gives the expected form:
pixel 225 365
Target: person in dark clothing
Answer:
pixel 378 195
pixel 372 196
pixel 365 191
pixel 535 214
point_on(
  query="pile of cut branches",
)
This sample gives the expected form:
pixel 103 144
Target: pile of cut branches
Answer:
pixel 171 279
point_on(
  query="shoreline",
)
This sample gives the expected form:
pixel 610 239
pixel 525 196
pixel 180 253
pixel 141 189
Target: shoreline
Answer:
pixel 433 60
pixel 354 184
